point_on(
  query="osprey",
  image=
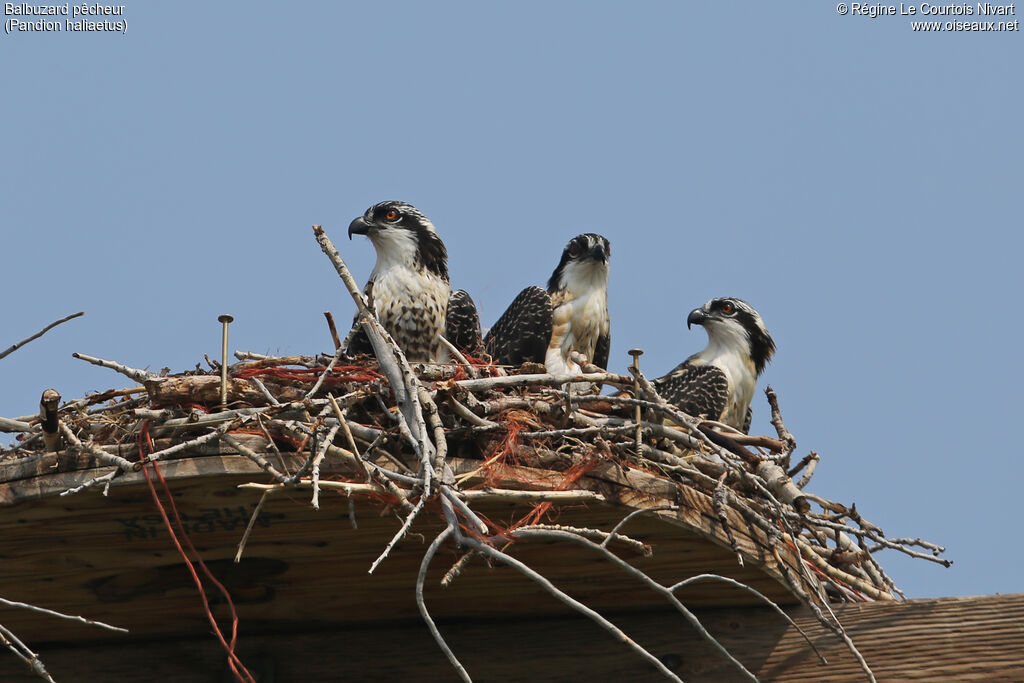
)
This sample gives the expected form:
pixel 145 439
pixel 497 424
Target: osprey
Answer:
pixel 718 383
pixel 408 288
pixel 572 315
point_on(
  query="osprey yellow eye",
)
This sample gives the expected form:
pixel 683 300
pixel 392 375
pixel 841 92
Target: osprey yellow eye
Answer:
pixel 391 215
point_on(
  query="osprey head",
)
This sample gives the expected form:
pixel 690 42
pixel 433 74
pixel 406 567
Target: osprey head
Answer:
pixel 400 233
pixel 732 322
pixel 584 258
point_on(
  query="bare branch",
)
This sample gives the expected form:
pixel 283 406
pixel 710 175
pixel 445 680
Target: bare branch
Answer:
pixel 39 334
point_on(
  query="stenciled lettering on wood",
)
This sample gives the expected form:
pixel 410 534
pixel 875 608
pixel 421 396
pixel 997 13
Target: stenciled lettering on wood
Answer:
pixel 206 521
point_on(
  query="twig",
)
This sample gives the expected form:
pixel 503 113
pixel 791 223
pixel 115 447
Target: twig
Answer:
pixel 470 370
pixel 22 652
pixel 100 455
pixel 50 612
pixel 252 523
pixel 255 457
pixel 485 383
pixel 105 479
pixel 323 375
pixel 334 330
pixel 9 425
pixel 422 605
pixel 39 334
pixel 263 390
pixel 134 373
pixel 504 558
pixel 320 453
pixel 400 535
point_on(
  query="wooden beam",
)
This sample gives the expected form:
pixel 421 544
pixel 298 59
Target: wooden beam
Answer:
pixel 947 639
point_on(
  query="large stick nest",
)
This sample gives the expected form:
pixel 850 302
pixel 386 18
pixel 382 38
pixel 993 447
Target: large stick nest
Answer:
pixel 440 437
pixel 527 432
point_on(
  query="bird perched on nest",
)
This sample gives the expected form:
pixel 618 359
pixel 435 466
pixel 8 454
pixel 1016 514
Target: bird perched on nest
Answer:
pixel 408 288
pixel 572 315
pixel 718 383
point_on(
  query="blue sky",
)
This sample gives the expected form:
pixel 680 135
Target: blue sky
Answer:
pixel 858 182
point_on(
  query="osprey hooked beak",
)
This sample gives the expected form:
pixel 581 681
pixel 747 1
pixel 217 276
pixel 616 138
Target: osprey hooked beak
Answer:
pixel 697 317
pixel 358 227
pixel 598 253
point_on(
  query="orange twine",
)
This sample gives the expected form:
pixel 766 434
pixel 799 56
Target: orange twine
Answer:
pixel 237 668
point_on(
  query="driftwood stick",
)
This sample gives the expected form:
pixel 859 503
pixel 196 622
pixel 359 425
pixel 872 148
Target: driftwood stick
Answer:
pixel 921 543
pixel 457 568
pixel 604 536
pixel 667 592
pixel 134 373
pixel 323 375
pixel 831 624
pixel 780 426
pixel 431 416
pixel 24 653
pixel 251 524
pixel 469 416
pixel 334 330
pixel 488 494
pixel 380 476
pixel 345 487
pixel 421 578
pixel 838 574
pixel 263 390
pixel 339 413
pixel 467 513
pixel 9 425
pixel 486 383
pixel 320 453
pixel 457 355
pixel 635 513
pixel 719 501
pixel 107 458
pixel 95 481
pixel 186 445
pixel 40 333
pixel 753 591
pixel 254 456
pixel 400 535
pixel 61 615
pixel 571 602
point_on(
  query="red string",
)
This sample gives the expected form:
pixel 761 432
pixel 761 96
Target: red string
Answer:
pixel 237 668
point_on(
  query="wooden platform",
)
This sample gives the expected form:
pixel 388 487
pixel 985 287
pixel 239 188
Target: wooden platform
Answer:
pixel 310 611
pixel 949 639
pixel 113 560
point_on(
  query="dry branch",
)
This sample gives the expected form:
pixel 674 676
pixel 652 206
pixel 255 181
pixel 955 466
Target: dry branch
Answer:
pixel 40 333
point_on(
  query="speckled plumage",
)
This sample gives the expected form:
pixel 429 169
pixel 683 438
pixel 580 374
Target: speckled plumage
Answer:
pixel 718 383
pixel 408 288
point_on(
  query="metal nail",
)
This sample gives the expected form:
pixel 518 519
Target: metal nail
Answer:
pixel 226 320
pixel 636 353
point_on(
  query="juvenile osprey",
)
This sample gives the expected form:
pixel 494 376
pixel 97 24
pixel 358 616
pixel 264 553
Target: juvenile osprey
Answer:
pixel 408 288
pixel 572 315
pixel 718 383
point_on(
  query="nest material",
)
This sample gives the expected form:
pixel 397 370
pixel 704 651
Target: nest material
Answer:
pixel 451 434
pixel 528 433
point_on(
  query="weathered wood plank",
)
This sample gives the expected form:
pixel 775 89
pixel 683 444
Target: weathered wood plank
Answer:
pixel 113 561
pixel 949 639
